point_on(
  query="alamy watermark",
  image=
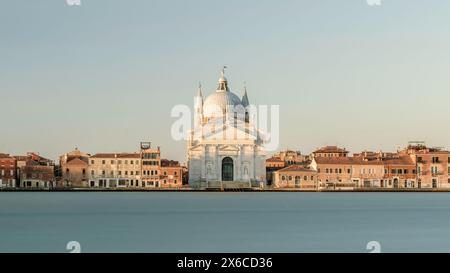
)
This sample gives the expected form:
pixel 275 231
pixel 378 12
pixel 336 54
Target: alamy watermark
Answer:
pixel 73 247
pixel 235 122
pixel 374 247
pixel 73 2
pixel 373 2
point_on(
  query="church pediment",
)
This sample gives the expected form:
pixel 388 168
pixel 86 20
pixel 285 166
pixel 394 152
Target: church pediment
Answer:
pixel 229 148
pixel 226 132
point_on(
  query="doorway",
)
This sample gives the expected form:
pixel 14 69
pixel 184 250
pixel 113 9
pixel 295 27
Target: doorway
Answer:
pixel 227 169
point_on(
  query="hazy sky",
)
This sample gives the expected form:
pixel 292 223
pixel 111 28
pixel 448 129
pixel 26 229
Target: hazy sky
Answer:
pixel 104 76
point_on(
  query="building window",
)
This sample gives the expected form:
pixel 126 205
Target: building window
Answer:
pixel 131 172
pixel 92 172
pixel 103 162
pixel 175 173
pixel 84 171
pixel 137 172
pixel 348 171
pixel 434 170
pixel 103 172
pixel 305 178
pixel 92 162
pixel 435 159
pixel 131 162
pixel 112 162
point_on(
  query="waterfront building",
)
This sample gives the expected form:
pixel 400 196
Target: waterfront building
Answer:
pixel 334 172
pixel 367 172
pixel 35 171
pixel 400 172
pixel 296 176
pixel 171 174
pixel 224 148
pixel 74 169
pixel 432 165
pixel 8 171
pixel 150 166
pixel 273 164
pixel 330 151
pixel 114 170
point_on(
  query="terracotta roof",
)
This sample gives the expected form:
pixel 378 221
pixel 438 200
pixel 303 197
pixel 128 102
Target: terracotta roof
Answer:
pixel 401 160
pixel 296 168
pixel 347 161
pixel 116 155
pixel 274 159
pixel 5 156
pixel 330 149
pixel 76 162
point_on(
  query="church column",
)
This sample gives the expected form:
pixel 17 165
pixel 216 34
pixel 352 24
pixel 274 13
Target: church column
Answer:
pixel 218 164
pixel 203 167
pixel 254 163
pixel 239 164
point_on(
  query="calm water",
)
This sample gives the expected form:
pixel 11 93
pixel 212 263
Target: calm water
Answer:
pixel 224 222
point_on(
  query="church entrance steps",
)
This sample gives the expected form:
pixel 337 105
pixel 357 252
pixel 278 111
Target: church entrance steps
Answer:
pixel 228 185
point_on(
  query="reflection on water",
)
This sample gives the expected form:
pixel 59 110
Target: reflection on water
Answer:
pixel 224 222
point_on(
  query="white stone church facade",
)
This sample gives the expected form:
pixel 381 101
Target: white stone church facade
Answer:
pixel 225 150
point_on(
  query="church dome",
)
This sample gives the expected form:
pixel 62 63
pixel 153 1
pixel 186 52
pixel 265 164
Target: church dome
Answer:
pixel 219 101
pixel 216 104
